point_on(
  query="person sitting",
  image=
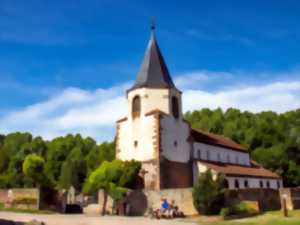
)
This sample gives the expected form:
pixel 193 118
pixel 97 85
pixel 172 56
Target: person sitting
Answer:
pixel 165 206
pixel 172 209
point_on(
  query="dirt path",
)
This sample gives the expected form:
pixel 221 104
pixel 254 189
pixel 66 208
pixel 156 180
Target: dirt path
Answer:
pixel 61 219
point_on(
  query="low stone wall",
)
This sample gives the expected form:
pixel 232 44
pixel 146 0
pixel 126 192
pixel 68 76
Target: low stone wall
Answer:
pixel 268 199
pixel 182 196
pixel 140 201
pixel 8 196
pixel 3 196
pixel 292 197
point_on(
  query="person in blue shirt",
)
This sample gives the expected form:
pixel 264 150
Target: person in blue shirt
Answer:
pixel 165 206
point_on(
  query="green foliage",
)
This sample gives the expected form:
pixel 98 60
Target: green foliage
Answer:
pixel 208 193
pixel 272 139
pixel 113 177
pixel 99 154
pixel 68 160
pixel 33 167
pixel 241 208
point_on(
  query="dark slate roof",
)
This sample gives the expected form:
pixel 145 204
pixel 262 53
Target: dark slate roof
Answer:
pixel 153 72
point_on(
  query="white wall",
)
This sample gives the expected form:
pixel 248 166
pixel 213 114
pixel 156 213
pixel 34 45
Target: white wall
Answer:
pixel 140 130
pixel 172 131
pixel 219 154
pixel 199 168
pixel 253 182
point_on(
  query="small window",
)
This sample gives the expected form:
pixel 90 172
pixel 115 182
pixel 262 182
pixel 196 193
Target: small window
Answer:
pixel 199 154
pixel 226 184
pixel 268 184
pixel 175 107
pixel 278 184
pixel 219 157
pixel 236 184
pixel 246 184
pixel 261 184
pixel 207 155
pixel 136 106
pixel 175 143
pixel 135 144
pixel 236 159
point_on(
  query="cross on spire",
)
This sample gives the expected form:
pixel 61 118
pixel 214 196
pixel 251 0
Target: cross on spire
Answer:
pixel 153 23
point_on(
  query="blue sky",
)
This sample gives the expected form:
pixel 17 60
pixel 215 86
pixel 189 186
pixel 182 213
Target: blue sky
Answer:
pixel 58 58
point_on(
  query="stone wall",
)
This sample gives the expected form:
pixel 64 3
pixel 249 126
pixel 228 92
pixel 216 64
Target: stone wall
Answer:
pixel 182 196
pixel 175 174
pixel 140 201
pixel 292 197
pixel 268 199
pixel 7 196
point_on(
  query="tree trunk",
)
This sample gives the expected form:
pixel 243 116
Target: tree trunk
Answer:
pixel 105 195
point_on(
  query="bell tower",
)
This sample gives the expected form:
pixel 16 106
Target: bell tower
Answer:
pixel 154 88
pixel 144 135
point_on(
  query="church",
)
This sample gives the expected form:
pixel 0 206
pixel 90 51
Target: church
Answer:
pixel 173 154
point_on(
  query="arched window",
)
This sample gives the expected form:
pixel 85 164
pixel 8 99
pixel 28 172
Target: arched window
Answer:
pixel 236 184
pixel 136 106
pixel 135 144
pixel 175 107
pixel 246 184
pixel 268 184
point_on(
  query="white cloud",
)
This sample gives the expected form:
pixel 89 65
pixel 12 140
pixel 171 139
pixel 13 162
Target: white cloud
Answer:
pixel 278 96
pixel 196 79
pixel 93 113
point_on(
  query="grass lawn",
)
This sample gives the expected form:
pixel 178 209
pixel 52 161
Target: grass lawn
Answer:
pixel 34 211
pixel 268 218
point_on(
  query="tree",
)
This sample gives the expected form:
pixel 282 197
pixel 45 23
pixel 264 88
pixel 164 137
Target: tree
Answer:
pixel 73 171
pixel 33 167
pixel 113 178
pixel 208 193
pixel 99 154
pixel 272 139
pixel 68 176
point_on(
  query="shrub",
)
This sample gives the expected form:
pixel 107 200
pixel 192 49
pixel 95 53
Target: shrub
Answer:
pixel 25 200
pixel 242 208
pixel 208 193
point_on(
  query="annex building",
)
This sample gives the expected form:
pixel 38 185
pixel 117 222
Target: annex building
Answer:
pixel 173 154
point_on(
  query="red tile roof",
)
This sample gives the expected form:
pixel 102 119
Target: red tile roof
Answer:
pixel 255 170
pixel 216 139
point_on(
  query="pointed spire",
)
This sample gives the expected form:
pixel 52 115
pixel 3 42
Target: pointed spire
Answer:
pixel 153 72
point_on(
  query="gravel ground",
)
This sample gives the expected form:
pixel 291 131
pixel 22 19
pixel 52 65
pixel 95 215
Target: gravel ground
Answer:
pixel 62 219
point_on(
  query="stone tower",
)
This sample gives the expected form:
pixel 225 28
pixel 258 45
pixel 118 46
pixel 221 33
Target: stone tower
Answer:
pixel 154 131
